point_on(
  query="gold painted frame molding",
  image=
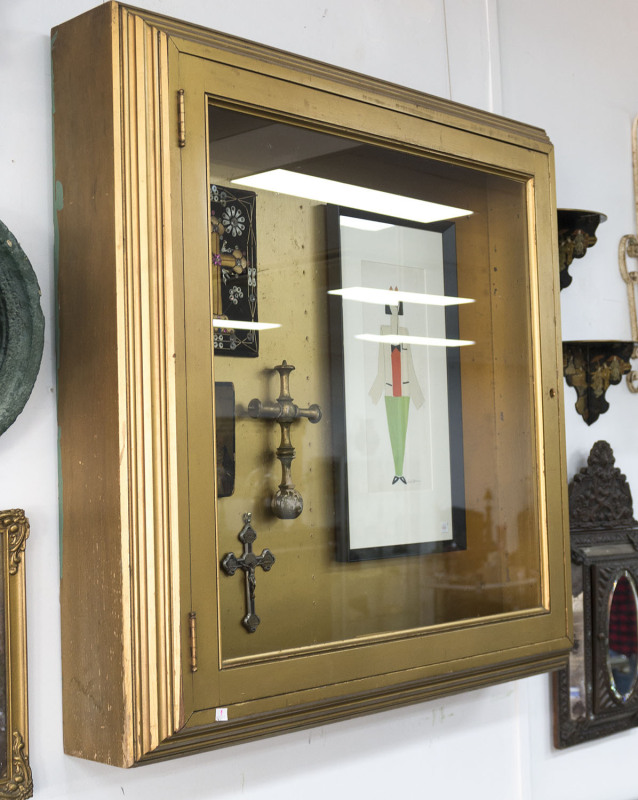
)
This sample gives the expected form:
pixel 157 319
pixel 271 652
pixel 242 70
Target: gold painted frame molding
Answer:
pixel 15 773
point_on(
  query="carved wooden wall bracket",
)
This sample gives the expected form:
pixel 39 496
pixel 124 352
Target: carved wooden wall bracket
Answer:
pixel 591 368
pixel 576 234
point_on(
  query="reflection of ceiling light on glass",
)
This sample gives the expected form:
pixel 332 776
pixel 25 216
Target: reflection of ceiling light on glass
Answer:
pixel 394 338
pixel 388 297
pixel 345 194
pixel 363 224
pixel 243 325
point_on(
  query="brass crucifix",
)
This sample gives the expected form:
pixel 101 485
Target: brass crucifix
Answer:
pixel 248 563
pixel 286 503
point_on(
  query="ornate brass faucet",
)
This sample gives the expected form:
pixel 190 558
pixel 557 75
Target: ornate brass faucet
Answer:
pixel 287 502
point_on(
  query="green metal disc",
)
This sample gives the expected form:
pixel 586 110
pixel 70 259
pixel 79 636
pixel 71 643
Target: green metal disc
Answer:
pixel 21 328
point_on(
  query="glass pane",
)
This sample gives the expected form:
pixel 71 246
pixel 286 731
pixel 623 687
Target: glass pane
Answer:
pixel 623 639
pixel 577 676
pixel 392 292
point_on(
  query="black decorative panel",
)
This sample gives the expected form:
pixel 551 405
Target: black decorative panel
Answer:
pixel 233 246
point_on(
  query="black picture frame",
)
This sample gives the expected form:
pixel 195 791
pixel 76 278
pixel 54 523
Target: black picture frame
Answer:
pixel 345 551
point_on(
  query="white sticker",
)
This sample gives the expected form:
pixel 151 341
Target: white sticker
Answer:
pixel 221 715
pixel 445 527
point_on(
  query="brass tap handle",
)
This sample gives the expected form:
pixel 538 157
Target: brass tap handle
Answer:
pixel 287 502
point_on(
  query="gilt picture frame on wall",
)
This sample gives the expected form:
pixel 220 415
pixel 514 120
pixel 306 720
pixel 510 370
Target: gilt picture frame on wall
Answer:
pixel 15 772
pixel 399 482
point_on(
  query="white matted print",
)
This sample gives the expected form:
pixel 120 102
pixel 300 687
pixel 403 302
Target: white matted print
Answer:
pixel 396 396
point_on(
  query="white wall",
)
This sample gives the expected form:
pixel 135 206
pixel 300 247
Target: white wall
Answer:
pixel 564 65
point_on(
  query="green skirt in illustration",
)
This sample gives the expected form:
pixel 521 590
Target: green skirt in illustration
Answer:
pixel 397 410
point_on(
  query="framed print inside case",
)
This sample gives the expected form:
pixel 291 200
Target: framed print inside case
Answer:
pixel 396 377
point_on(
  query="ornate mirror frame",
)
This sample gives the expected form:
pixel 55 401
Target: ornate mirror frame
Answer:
pixel 604 550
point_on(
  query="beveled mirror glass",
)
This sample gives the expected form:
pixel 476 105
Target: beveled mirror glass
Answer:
pixel 623 635
pixel 377 470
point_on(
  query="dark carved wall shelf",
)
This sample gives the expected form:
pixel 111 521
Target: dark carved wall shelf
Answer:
pixel 591 367
pixel 576 234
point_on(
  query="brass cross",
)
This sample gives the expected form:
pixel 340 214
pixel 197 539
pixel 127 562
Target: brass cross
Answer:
pixel 248 562
pixel 287 502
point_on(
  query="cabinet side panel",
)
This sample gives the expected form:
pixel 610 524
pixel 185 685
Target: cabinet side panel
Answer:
pixel 94 647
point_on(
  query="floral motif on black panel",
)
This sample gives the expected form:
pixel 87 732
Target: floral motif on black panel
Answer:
pixel 233 243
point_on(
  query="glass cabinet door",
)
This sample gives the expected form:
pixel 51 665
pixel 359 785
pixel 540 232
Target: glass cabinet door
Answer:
pixel 366 319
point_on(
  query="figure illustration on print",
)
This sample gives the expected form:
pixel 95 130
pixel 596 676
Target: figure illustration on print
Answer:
pixel 397 382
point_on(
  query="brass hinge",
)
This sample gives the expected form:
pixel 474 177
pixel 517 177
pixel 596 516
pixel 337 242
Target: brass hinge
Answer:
pixel 192 624
pixel 181 120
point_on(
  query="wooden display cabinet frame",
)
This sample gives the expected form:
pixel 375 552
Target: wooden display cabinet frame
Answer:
pixel 127 108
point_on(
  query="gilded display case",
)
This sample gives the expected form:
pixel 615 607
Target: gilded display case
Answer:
pixel 310 395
